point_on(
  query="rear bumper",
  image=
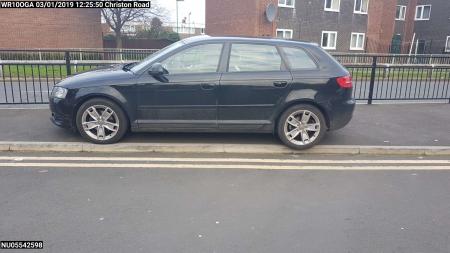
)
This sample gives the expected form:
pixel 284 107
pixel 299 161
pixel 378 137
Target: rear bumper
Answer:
pixel 341 114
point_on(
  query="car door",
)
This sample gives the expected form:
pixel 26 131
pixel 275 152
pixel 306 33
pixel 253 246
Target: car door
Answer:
pixel 253 86
pixel 186 97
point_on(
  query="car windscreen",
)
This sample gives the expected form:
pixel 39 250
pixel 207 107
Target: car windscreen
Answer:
pixel 144 63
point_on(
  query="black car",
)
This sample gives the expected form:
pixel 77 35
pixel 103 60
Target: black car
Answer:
pixel 212 84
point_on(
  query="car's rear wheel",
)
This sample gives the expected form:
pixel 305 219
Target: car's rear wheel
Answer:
pixel 101 121
pixel 301 126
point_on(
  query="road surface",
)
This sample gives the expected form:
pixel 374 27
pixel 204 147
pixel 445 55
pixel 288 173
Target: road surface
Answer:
pixel 193 203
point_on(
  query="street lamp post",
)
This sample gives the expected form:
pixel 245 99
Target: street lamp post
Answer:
pixel 177 15
pixel 189 23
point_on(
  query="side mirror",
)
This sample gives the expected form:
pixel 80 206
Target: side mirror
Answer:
pixel 157 70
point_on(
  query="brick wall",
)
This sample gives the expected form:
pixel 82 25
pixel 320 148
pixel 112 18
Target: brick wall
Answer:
pixel 50 28
pixel 238 17
pixel 407 25
pixel 381 24
pixel 266 28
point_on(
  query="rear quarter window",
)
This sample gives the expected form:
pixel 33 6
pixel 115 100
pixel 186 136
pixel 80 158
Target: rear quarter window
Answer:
pixel 298 58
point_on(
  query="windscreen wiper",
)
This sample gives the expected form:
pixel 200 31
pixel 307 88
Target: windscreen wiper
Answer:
pixel 128 66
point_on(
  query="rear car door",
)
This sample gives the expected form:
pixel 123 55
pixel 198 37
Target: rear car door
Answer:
pixel 186 97
pixel 254 84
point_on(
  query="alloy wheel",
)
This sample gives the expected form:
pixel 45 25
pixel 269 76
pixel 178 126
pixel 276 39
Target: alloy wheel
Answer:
pixel 302 127
pixel 100 122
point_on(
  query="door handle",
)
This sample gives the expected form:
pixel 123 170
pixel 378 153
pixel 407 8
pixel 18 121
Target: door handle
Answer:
pixel 207 86
pixel 280 84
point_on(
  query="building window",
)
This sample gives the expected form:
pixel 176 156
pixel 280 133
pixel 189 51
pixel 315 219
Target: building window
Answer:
pixel 423 12
pixel 400 13
pixel 284 33
pixel 286 3
pixel 332 5
pixel 361 6
pixel 329 40
pixel 447 45
pixel 357 41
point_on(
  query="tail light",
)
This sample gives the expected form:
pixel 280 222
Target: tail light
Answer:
pixel 345 82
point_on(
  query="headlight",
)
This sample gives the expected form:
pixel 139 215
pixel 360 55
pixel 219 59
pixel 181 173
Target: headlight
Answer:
pixel 59 92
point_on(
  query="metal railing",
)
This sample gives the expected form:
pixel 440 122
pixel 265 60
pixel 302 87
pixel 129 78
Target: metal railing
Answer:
pixel 107 54
pixel 30 80
pixel 381 82
pixel 393 59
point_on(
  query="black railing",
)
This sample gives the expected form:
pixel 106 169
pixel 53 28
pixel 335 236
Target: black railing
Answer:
pixel 400 82
pixel 31 81
pixel 393 59
pixel 75 54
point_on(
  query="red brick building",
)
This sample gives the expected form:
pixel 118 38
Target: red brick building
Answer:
pixel 373 26
pixel 50 28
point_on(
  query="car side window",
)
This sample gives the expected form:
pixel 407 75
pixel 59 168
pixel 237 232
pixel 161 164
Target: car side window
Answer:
pixel 196 59
pixel 253 57
pixel 298 58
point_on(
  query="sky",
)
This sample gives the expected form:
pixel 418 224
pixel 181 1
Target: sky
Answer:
pixel 196 7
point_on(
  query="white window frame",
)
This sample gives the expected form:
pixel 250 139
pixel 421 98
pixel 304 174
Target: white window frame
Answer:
pixel 357 40
pixel 421 12
pixel 360 12
pixel 447 45
pixel 330 9
pixel 284 33
pixel 286 5
pixel 402 12
pixel 335 40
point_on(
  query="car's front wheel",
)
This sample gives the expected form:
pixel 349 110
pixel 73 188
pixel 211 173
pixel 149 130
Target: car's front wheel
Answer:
pixel 101 121
pixel 301 126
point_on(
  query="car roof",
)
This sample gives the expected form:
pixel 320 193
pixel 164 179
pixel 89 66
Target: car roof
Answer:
pixel 202 38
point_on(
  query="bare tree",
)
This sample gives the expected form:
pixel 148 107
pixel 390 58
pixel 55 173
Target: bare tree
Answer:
pixel 117 18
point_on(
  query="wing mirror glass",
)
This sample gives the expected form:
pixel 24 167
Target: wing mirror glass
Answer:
pixel 157 69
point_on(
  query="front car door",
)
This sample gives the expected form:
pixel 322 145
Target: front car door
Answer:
pixel 186 97
pixel 253 86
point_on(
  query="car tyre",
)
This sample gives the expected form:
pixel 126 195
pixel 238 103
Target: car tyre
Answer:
pixel 301 126
pixel 101 121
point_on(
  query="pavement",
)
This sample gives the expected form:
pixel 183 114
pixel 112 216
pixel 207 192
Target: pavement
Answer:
pixel 374 125
pixel 85 202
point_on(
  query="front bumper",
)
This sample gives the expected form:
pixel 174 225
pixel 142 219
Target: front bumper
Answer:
pixel 60 121
pixel 61 113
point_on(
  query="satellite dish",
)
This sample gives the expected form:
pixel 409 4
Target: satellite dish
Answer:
pixel 271 12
